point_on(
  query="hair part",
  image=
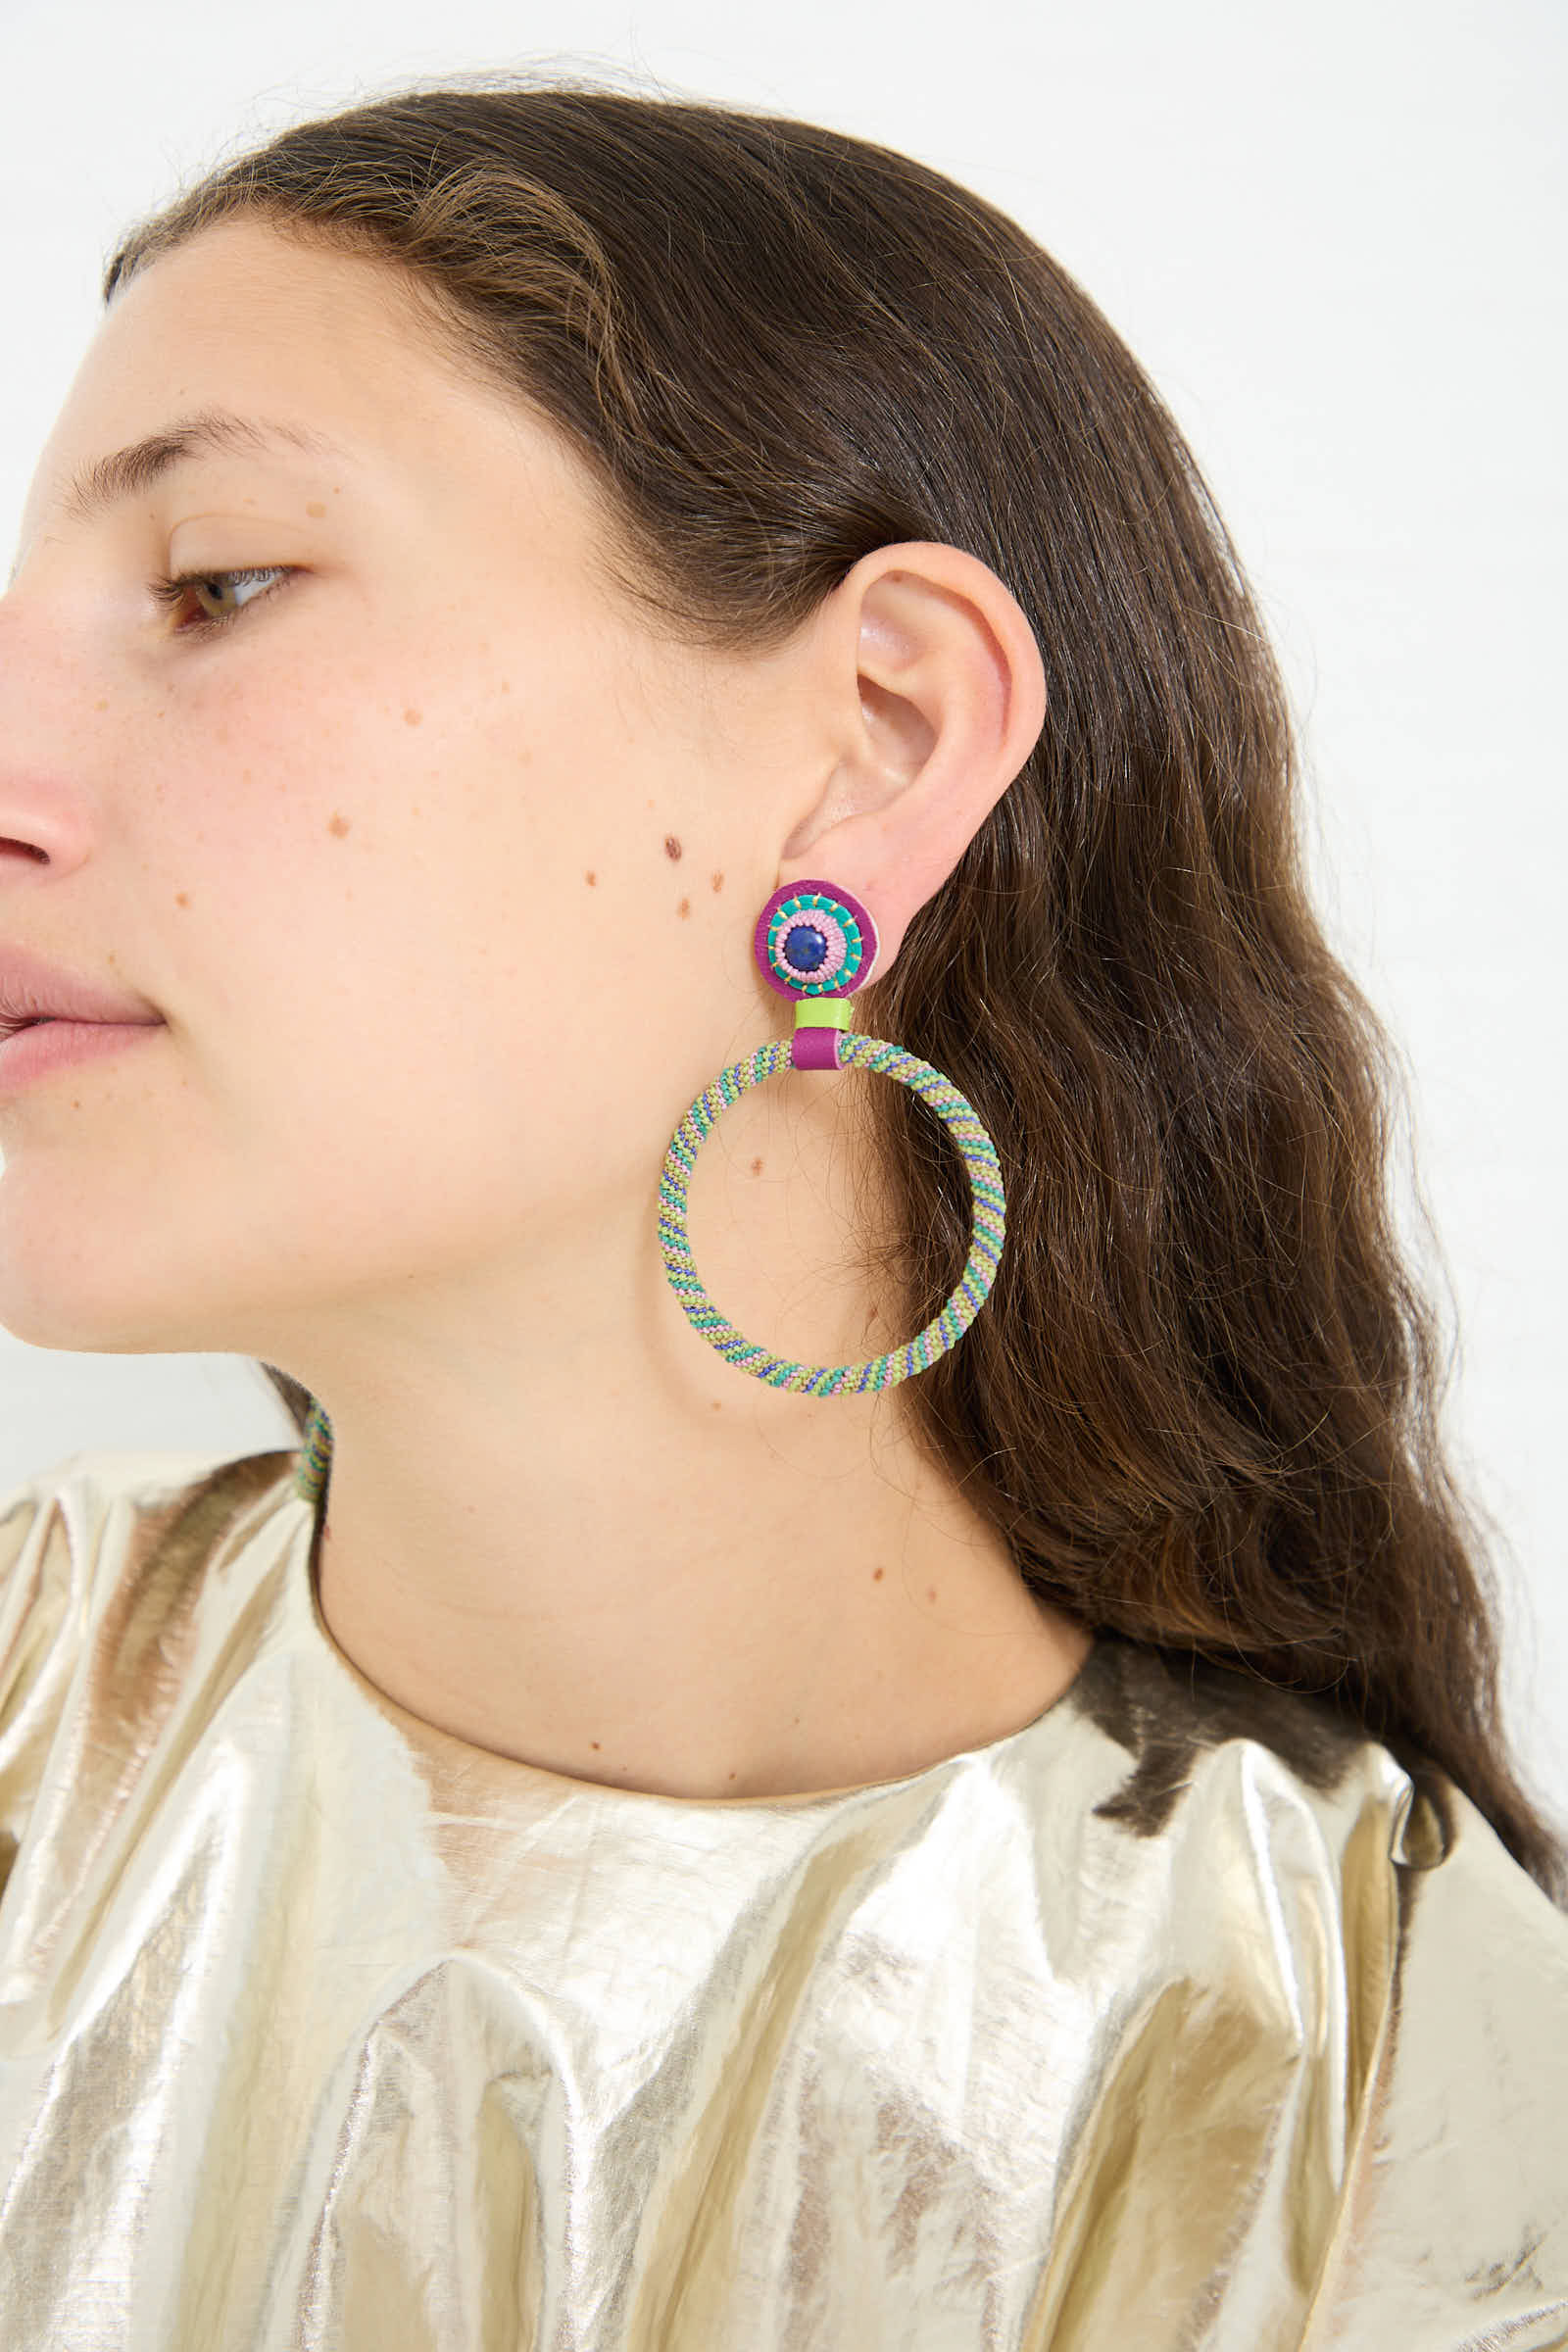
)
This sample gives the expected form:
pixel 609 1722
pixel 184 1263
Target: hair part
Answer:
pixel 1202 1403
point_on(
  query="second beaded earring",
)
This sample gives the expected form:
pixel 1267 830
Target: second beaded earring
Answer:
pixel 816 944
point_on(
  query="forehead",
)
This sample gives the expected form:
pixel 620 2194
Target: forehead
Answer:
pixel 244 318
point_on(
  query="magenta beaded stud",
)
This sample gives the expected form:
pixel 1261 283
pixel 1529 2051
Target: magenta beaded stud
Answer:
pixel 816 944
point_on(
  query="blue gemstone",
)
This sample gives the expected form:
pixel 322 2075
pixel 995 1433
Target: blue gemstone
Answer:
pixel 804 949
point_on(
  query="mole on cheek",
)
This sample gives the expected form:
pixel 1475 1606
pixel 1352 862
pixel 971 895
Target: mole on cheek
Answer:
pixel 672 846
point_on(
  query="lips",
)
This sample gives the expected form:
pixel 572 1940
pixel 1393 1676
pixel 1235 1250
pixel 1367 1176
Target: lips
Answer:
pixel 32 991
pixel 39 1049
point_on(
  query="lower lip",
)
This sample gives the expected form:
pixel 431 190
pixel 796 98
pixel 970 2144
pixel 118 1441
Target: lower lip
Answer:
pixel 60 1045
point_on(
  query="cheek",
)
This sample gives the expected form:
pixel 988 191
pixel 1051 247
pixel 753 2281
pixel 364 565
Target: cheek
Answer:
pixel 441 914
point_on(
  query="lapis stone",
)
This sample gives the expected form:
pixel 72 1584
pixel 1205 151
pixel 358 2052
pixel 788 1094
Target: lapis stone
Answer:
pixel 804 949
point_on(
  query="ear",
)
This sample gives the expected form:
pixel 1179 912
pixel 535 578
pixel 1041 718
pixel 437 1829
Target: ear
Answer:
pixel 936 693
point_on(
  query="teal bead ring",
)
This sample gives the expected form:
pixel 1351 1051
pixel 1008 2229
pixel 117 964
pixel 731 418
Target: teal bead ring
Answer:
pixel 815 942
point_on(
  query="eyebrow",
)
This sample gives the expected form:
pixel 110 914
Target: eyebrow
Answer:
pixel 108 481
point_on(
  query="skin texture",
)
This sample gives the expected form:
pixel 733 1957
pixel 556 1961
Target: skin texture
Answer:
pixel 440 866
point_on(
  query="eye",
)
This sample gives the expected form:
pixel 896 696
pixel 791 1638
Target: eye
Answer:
pixel 174 592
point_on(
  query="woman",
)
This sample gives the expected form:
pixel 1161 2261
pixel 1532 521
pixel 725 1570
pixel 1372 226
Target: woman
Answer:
pixel 745 1825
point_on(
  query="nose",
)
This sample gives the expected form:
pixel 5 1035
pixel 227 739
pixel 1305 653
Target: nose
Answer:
pixel 52 717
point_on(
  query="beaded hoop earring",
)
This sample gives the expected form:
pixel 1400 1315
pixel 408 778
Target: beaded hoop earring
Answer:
pixel 818 944
pixel 316 1456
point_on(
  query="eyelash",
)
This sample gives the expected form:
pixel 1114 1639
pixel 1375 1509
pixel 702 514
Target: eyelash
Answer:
pixel 173 591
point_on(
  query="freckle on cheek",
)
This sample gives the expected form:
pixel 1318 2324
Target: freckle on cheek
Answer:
pixel 718 881
pixel 593 880
pixel 756 1167
pixel 314 505
pixel 180 899
pixel 684 907
pixel 339 825
pixel 672 846
pixel 412 718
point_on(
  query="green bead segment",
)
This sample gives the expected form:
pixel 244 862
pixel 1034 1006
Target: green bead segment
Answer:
pixel 823 1013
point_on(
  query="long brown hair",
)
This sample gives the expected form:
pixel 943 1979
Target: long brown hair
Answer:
pixel 1202 1404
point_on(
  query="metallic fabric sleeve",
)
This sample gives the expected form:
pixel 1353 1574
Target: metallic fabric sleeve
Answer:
pixel 1452 2222
pixel 1182 2019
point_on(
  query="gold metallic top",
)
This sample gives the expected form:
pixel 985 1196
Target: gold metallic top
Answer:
pixel 1182 2019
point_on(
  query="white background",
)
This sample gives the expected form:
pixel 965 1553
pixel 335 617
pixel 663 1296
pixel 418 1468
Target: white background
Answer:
pixel 1335 237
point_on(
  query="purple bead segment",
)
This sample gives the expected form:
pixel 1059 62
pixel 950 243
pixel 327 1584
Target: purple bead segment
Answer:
pixel 815 1048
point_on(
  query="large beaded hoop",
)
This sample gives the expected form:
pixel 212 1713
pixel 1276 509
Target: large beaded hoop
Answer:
pixel 816 942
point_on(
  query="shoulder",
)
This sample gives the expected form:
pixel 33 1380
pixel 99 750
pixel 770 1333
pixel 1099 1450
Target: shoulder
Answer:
pixel 1454 2219
pixel 1201 1754
pixel 1184 1723
pixel 96 1535
pixel 68 1530
pixel 1425 1963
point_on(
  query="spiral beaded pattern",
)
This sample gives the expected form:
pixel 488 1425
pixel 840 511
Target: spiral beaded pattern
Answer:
pixel 986 1195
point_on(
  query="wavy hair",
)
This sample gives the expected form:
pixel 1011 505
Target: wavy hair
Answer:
pixel 1201 1405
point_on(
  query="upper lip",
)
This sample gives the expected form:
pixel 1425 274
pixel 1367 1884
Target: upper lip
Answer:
pixel 31 990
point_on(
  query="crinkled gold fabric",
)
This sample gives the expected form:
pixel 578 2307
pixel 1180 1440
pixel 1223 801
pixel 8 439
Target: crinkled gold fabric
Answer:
pixel 1182 2018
